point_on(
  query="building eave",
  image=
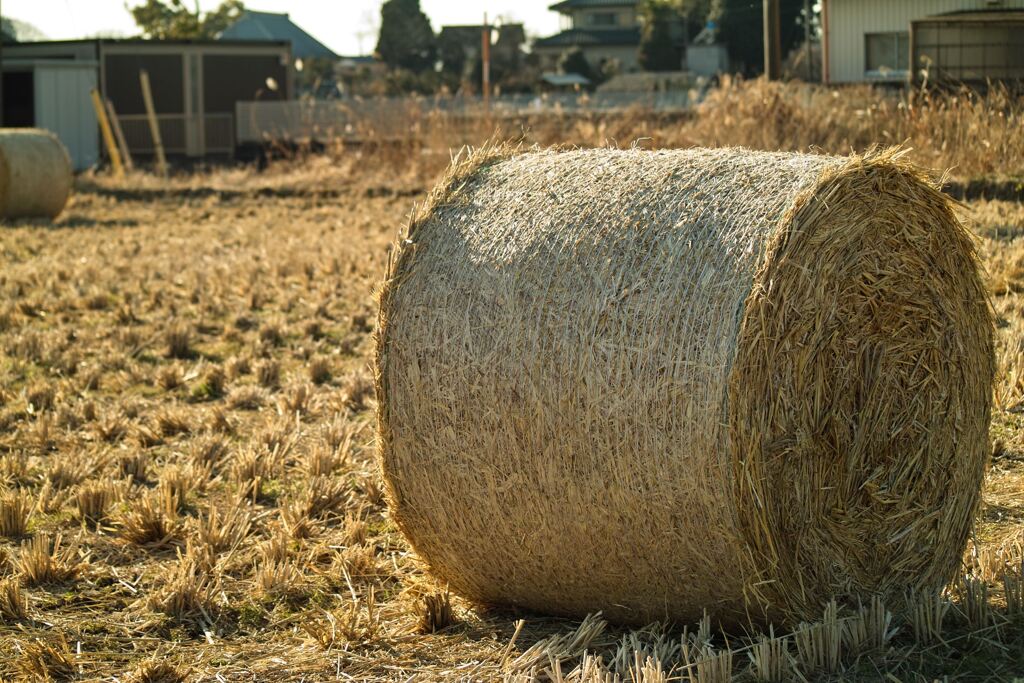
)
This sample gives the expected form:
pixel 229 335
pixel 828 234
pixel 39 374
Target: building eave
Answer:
pixel 567 6
pixel 575 37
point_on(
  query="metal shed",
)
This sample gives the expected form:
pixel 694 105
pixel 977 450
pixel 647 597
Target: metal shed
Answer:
pixel 195 86
pixel 869 40
pixel 54 94
pixel 969 47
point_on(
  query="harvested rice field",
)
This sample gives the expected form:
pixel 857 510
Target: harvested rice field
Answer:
pixel 188 484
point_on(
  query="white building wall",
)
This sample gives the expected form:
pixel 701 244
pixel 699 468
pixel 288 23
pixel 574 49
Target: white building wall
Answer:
pixel 63 106
pixel 850 20
pixel 624 17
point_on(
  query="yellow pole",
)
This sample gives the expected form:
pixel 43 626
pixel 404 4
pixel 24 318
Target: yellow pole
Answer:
pixel 108 137
pixel 154 127
pixel 115 124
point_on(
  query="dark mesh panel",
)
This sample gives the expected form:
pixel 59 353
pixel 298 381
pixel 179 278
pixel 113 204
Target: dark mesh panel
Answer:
pixel 165 78
pixel 236 78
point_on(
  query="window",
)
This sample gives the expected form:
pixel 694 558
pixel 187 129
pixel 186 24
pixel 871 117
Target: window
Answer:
pixel 887 53
pixel 604 19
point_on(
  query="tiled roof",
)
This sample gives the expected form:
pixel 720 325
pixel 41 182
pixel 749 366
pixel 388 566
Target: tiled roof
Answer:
pixel 567 5
pixel 270 26
pixel 583 38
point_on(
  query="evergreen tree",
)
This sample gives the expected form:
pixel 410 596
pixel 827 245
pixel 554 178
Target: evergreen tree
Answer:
pixel 696 14
pixel 452 54
pixel 695 10
pixel 658 50
pixel 406 40
pixel 575 62
pixel 227 13
pixel 7 31
pixel 741 27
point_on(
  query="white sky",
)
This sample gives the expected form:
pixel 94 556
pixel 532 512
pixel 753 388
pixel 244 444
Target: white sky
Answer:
pixel 348 27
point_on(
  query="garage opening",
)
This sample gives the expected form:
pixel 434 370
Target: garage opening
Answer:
pixel 19 98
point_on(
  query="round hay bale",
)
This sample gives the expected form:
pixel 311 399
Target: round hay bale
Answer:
pixel 35 174
pixel 653 383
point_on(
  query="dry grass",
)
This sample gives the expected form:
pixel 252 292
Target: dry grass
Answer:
pixel 93 500
pixel 43 561
pixel 15 509
pixel 265 274
pixel 13 603
pixel 156 671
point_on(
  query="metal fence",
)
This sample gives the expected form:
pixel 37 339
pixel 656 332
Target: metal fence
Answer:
pixel 218 134
pixel 139 139
pixel 384 117
pixel 181 134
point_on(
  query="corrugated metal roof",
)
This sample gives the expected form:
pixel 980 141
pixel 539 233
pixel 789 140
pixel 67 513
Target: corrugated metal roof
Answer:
pixel 270 26
pixel 584 37
pixel 567 5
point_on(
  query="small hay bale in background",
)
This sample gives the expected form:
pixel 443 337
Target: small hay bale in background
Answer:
pixel 653 383
pixel 35 174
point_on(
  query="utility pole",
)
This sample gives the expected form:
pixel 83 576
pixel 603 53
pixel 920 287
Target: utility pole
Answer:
pixel 485 57
pixel 772 40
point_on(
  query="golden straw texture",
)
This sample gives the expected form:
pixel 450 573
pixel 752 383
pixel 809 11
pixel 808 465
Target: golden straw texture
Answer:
pixel 35 174
pixel 651 383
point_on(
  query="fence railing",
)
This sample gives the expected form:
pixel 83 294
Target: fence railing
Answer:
pixel 219 133
pixel 384 117
pixel 139 139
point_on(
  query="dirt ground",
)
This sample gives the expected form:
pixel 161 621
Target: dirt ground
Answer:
pixel 187 484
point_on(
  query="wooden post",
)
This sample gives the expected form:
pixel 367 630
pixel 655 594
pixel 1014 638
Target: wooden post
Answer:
pixel 108 137
pixel 772 40
pixel 154 126
pixel 115 124
pixel 485 57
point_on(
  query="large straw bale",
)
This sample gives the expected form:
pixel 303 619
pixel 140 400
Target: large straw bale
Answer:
pixel 651 383
pixel 35 174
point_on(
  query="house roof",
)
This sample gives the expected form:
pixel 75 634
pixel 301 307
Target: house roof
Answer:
pixel 568 5
pixel 475 31
pixel 563 80
pixel 585 38
pixel 271 26
pixel 358 59
pixel 175 42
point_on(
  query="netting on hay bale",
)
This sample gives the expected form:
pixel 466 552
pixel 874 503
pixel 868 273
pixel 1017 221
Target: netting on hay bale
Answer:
pixel 35 174
pixel 651 383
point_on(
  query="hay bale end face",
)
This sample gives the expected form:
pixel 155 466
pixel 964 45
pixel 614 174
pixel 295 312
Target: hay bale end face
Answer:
pixel 35 174
pixel 651 383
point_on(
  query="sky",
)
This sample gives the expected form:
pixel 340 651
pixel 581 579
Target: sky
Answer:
pixel 348 27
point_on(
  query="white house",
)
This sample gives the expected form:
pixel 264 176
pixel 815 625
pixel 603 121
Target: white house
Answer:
pixel 605 30
pixel 900 40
